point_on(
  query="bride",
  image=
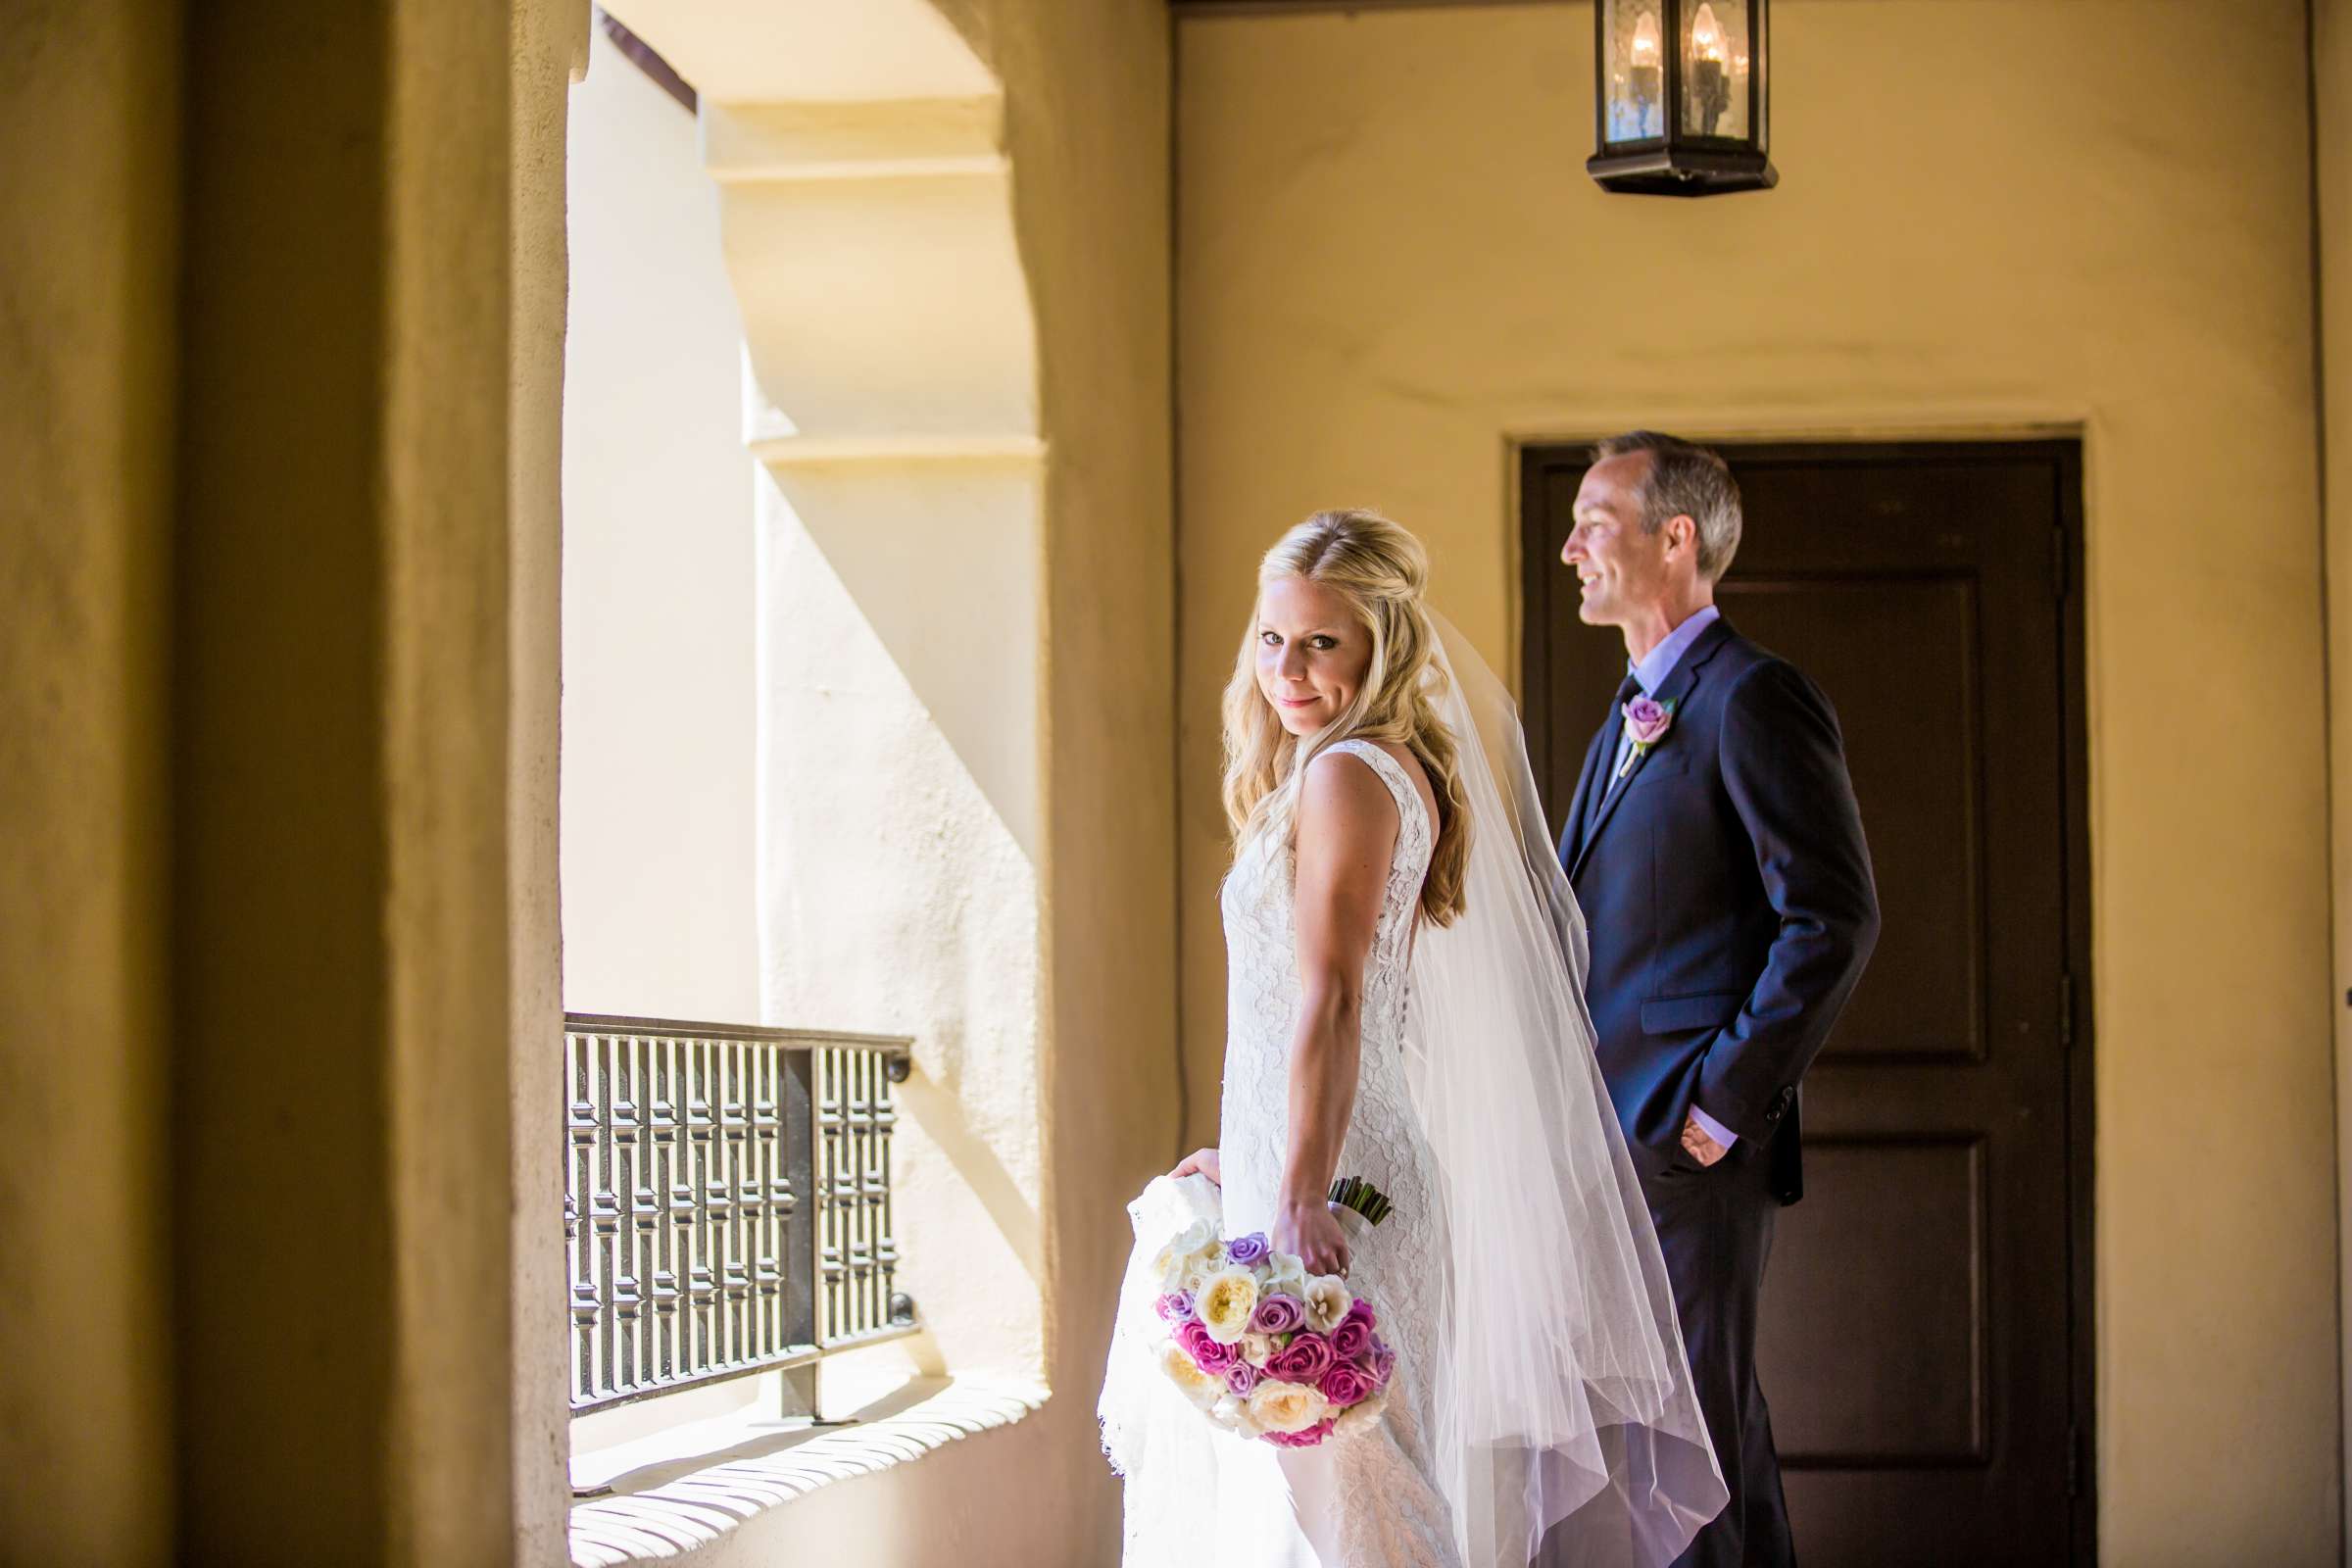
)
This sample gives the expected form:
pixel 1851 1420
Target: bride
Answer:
pixel 1406 1005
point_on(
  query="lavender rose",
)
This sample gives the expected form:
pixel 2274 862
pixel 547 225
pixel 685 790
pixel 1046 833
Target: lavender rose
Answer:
pixel 1240 1377
pixel 1647 721
pixel 1174 1308
pixel 1343 1384
pixel 1278 1314
pixel 1303 1360
pixel 1245 1252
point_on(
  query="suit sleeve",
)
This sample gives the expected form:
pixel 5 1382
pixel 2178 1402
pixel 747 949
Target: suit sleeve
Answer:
pixel 1783 764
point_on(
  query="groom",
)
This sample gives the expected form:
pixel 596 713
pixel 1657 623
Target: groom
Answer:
pixel 1716 851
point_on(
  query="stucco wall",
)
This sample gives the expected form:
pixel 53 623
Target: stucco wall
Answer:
pixel 550 45
pixel 88 153
pixel 959 324
pixel 1392 265
pixel 1020 1151
pixel 2331 83
pixel 341 1001
pixel 657 761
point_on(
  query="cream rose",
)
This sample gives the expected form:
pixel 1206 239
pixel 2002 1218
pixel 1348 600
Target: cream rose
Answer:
pixel 1197 1386
pixel 1327 1302
pixel 1361 1414
pixel 1224 1303
pixel 1286 1406
pixel 1185 1252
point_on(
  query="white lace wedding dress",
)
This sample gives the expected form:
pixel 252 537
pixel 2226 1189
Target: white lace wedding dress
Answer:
pixel 1541 1405
pixel 1371 1499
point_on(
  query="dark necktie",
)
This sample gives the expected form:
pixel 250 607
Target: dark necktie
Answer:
pixel 1627 690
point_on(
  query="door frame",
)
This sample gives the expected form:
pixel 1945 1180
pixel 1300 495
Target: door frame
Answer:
pixel 1538 554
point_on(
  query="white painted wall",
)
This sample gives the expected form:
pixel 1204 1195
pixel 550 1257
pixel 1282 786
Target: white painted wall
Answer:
pixel 659 847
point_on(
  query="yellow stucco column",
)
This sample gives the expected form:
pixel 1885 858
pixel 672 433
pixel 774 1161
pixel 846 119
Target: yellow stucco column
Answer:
pixel 2331 185
pixel 88 149
pixel 342 1023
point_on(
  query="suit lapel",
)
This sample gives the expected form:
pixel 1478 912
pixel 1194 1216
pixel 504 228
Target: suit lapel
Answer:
pixel 1677 692
pixel 1579 806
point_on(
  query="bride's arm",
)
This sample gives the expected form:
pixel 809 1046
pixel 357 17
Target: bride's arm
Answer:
pixel 1346 835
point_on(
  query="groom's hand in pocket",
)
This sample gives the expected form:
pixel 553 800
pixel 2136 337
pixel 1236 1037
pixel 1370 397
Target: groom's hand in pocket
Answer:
pixel 1699 1146
pixel 1200 1162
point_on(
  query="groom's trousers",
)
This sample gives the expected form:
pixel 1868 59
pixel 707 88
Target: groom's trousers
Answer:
pixel 1715 1228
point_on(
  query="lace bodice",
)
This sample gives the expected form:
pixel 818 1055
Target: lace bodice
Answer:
pixel 1263 999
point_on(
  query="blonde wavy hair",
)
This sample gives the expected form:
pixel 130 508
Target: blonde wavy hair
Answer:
pixel 1382 570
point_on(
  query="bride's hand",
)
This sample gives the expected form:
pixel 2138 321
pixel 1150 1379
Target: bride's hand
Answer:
pixel 1313 1233
pixel 1200 1162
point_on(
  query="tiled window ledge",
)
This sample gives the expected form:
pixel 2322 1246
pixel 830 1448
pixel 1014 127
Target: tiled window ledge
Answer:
pixel 722 1473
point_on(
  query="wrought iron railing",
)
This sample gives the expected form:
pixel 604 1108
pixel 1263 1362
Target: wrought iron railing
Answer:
pixel 727 1203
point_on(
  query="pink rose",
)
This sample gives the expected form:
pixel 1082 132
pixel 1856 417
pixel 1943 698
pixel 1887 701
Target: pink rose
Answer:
pixel 1308 1439
pixel 1368 1367
pixel 1207 1354
pixel 1352 1337
pixel 1240 1377
pixel 1303 1360
pixel 1647 721
pixel 1344 1385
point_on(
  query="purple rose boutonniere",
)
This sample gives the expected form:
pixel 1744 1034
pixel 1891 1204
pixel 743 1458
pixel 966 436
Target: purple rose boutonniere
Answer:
pixel 1646 721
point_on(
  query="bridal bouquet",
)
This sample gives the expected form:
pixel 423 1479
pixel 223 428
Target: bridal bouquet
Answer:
pixel 1266 1349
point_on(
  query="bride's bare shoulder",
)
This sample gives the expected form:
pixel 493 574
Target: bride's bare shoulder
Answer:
pixel 1343 784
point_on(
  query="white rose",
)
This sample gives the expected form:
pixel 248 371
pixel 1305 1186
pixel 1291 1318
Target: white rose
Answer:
pixel 1256 1347
pixel 1359 1415
pixel 1224 1303
pixel 1286 1406
pixel 1197 1386
pixel 1285 1275
pixel 1179 1257
pixel 1327 1302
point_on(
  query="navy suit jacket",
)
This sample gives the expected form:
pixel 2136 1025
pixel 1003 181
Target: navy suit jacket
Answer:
pixel 1728 894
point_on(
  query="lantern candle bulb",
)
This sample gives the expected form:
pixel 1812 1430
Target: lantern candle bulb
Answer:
pixel 1711 76
pixel 1641 113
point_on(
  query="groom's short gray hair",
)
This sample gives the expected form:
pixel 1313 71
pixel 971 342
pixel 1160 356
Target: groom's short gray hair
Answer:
pixel 1684 481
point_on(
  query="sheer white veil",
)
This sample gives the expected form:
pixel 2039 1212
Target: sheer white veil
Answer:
pixel 1567 1415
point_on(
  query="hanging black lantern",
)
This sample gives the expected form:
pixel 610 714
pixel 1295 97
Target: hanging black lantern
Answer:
pixel 1681 96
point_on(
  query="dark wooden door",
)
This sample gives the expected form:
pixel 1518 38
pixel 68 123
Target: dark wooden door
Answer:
pixel 1926 1306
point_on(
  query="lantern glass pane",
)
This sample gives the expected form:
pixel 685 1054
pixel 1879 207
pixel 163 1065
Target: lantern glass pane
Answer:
pixel 1718 45
pixel 1633 70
